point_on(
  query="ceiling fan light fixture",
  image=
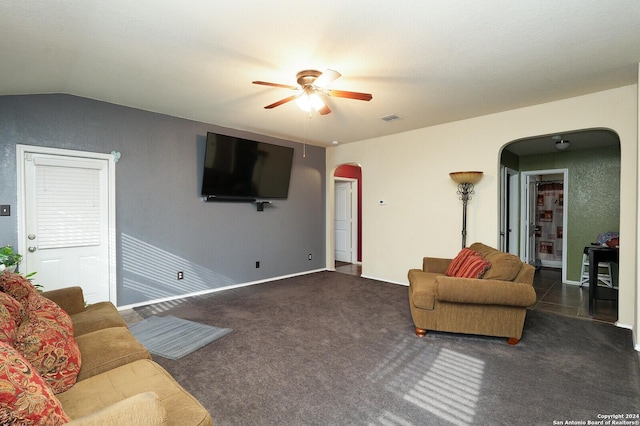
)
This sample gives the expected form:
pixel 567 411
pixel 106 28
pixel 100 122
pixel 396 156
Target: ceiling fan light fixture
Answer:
pixel 562 144
pixel 313 84
pixel 307 100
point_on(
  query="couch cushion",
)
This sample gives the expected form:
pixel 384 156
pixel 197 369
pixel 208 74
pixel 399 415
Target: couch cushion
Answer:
pixel 96 317
pixel 483 249
pixel 106 349
pixel 455 264
pixel 143 409
pixel 46 340
pixel 100 391
pixel 474 266
pixel 26 398
pixel 504 266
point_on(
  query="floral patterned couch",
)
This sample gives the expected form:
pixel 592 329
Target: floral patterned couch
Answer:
pixel 62 362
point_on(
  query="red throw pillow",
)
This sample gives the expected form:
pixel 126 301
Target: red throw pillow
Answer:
pixel 16 285
pixel 455 264
pixel 473 267
pixel 24 397
pixel 14 307
pixel 7 327
pixel 46 340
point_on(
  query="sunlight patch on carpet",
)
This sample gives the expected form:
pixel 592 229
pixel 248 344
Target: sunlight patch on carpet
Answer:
pixel 450 388
pixel 171 337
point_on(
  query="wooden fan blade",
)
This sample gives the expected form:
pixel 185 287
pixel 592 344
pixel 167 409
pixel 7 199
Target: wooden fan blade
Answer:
pixel 324 110
pixel 326 78
pixel 282 86
pixel 350 95
pixel 281 101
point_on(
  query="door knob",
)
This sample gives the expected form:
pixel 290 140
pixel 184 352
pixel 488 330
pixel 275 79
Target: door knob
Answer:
pixel 31 249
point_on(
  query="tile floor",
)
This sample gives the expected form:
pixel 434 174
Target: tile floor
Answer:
pixel 570 300
pixel 349 268
pixel 553 295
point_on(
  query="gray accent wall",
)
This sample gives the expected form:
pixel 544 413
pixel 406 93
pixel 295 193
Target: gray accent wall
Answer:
pixel 163 224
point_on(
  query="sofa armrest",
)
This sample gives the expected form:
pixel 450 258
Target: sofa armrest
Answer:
pixel 70 299
pixel 422 288
pixel 484 292
pixel 435 264
pixel 144 409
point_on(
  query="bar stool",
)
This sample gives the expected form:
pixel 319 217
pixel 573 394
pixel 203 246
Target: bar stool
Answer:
pixel 604 271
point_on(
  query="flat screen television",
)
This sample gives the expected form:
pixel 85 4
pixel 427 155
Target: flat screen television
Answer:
pixel 245 170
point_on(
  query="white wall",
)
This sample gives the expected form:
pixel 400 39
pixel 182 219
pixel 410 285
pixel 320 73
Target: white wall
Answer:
pixel 636 331
pixel 423 215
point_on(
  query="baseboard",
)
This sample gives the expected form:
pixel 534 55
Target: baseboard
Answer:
pixel 384 281
pixel 623 325
pixel 215 290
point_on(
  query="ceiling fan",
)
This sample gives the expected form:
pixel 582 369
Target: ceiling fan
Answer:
pixel 312 86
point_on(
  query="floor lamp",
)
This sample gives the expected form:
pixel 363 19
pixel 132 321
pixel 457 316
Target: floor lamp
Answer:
pixel 465 181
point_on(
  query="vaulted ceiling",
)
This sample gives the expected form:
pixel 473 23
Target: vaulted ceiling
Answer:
pixel 428 62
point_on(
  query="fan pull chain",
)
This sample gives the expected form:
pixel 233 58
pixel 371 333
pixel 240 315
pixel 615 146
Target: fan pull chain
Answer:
pixel 304 144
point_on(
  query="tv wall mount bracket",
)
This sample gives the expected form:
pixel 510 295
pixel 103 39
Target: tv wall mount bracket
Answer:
pixel 260 205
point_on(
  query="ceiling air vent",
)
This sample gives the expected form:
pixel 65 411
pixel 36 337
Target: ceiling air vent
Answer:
pixel 390 117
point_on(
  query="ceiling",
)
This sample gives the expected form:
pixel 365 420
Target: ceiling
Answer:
pixel 546 144
pixel 426 62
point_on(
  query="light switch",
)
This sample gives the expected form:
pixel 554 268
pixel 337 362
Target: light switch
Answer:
pixel 5 210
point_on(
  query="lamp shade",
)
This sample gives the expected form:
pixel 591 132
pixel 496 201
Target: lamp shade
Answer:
pixel 466 177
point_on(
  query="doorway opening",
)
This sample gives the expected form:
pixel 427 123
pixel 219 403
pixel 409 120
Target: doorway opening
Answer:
pixel 575 176
pixel 544 218
pixel 347 229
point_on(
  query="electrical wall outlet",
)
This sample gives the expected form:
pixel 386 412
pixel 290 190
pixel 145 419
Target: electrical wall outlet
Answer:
pixel 180 275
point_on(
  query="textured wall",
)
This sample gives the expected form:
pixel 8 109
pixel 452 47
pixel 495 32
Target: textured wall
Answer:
pixel 592 198
pixel 162 223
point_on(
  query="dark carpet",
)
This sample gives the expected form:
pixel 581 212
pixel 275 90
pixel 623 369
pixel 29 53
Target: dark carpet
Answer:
pixel 334 349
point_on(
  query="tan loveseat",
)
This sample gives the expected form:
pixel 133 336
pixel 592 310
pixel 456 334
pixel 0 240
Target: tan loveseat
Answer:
pixel 494 305
pixel 117 383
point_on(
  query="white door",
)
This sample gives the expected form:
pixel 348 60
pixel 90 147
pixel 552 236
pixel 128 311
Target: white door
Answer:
pixel 343 221
pixel 513 231
pixel 504 218
pixel 67 223
pixel 508 210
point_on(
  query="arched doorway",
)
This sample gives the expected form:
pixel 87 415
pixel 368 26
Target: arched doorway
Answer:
pixel 588 194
